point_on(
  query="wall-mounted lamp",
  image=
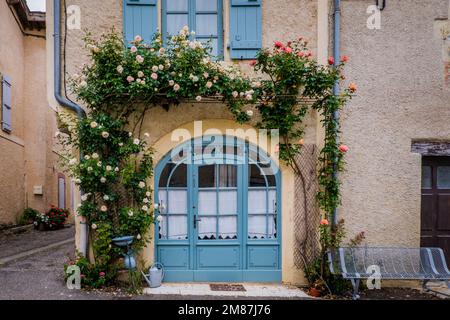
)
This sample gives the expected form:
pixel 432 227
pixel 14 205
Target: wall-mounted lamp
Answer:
pixel 381 4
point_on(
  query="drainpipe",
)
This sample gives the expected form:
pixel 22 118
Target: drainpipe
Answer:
pixel 336 88
pixel 63 101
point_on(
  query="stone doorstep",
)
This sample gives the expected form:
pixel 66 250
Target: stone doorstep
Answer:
pixel 17 229
pixel 252 290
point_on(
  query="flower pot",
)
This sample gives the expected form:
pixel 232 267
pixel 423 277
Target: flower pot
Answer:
pixel 313 292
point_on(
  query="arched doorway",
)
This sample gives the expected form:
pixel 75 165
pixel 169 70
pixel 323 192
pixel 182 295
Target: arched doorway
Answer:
pixel 219 198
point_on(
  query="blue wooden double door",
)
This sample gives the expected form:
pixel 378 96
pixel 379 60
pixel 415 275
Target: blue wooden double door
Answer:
pixel 219 202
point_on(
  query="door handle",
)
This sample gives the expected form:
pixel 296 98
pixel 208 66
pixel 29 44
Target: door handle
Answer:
pixel 196 219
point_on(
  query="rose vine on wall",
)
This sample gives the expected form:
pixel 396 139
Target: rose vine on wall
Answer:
pixel 125 80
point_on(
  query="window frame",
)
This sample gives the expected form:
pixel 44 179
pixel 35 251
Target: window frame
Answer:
pixel 192 23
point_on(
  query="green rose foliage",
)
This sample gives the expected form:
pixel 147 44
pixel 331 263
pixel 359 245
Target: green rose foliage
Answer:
pixel 125 80
pixel 120 76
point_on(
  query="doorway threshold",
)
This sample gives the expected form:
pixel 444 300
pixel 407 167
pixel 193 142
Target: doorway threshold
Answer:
pixel 252 290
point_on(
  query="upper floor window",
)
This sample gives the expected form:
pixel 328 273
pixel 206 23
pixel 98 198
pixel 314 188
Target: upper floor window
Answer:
pixel 202 16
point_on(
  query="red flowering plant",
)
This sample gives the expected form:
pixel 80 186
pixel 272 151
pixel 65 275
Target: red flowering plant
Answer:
pixel 55 218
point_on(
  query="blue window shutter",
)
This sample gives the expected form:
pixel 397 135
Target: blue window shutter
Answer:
pixel 140 18
pixel 6 104
pixel 245 28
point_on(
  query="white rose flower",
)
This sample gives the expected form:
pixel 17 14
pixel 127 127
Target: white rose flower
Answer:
pixel 86 157
pixel 195 79
pixel 171 83
pixel 116 169
pixel 94 124
pixel 77 181
pixel 130 213
pixel 161 67
pixel 99 164
pixel 209 84
pixel 144 208
pixel 250 113
pixel 89 169
pixel 95 156
pixel 104 208
pixel 235 94
pixel 148 194
pixel 155 68
pixel 73 161
pixel 105 134
pixel 145 200
pixel 136 142
pixel 103 180
pixel 140 74
pixel 147 135
pixel 108 168
pixel 139 237
pixel 94 226
pixel 249 97
pixel 120 144
pixel 120 69
pixel 142 184
pixel 130 134
pixel 83 84
pixel 160 218
pixel 198 98
pixel 84 197
pixel 176 87
pixel 106 197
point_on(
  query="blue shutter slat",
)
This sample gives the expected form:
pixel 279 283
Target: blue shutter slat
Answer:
pixel 245 28
pixel 140 18
pixel 6 104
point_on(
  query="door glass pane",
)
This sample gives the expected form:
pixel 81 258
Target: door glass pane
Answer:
pixel 163 228
pixel 178 227
pixel 177 202
pixel 207 176
pixel 426 177
pixel 207 203
pixel 207 228
pixel 176 22
pixel 256 177
pixel 227 202
pixel 206 5
pixel 177 5
pixel 206 25
pixel 272 226
pixel 162 200
pixel 227 228
pixel 257 226
pixel 257 201
pixel 443 177
pixel 272 201
pixel 179 177
pixel 227 176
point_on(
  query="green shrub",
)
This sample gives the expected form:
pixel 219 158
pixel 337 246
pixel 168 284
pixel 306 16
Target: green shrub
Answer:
pixel 28 216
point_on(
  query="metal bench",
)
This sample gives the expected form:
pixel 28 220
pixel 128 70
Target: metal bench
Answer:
pixel 425 264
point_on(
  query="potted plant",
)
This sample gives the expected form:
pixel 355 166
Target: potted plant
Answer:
pixel 54 219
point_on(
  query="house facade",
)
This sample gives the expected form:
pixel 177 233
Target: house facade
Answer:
pixel 225 222
pixel 30 176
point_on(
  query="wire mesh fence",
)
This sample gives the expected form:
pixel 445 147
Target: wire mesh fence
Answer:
pixel 307 214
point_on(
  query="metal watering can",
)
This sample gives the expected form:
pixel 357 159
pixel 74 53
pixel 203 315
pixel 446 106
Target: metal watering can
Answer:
pixel 155 276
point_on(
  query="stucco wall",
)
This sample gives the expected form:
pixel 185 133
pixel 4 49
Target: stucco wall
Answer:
pixel 25 155
pixel 399 71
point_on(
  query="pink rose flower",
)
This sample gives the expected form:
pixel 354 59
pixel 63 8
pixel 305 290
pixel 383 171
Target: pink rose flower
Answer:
pixel 139 59
pixel 130 79
pixel 154 76
pixel 344 59
pixel 288 50
pixel 330 61
pixel 278 44
pixel 324 222
pixel 343 148
pixel 102 274
pixel 133 49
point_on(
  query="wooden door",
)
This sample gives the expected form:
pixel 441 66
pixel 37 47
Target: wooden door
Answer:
pixel 435 212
